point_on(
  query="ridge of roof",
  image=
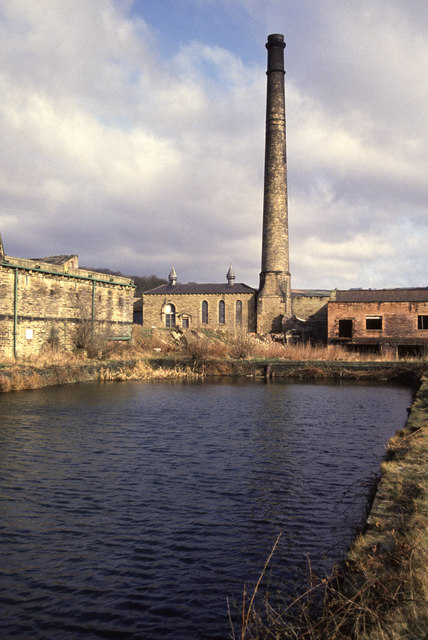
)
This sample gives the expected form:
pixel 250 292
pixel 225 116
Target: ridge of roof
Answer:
pixel 405 294
pixel 194 288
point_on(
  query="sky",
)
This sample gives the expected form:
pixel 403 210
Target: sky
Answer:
pixel 132 134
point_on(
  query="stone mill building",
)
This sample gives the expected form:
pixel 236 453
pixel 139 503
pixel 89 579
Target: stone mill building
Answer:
pixel 48 300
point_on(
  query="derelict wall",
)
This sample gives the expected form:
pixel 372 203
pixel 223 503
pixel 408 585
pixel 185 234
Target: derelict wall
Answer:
pixel 399 320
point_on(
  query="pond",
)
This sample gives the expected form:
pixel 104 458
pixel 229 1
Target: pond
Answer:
pixel 133 510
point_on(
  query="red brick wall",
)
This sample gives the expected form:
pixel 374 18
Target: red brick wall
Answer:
pixel 399 319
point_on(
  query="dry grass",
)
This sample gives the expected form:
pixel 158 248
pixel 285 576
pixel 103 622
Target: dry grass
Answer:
pixel 200 351
pixel 142 371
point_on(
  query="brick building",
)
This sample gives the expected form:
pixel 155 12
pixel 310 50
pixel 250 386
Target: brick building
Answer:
pixel 389 320
pixel 44 301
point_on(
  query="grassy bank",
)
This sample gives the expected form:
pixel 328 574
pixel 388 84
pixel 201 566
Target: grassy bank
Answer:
pixel 164 354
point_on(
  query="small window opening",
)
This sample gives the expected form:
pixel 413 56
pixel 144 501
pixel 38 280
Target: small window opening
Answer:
pixel 423 323
pixel 374 323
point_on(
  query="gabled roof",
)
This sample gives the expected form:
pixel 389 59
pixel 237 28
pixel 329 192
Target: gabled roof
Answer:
pixel 419 294
pixel 194 288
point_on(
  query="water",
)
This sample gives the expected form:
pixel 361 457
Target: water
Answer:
pixel 133 510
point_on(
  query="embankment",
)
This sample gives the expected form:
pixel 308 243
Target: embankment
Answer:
pixel 20 376
pixel 384 590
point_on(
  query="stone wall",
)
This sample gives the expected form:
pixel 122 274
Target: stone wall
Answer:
pixel 305 306
pixel 41 304
pixel 188 309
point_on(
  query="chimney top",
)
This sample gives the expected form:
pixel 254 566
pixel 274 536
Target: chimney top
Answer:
pixel 275 39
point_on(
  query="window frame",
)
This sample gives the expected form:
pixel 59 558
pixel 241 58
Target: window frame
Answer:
pixel 170 315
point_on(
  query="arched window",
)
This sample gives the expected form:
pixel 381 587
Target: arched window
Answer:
pixel 221 312
pixel 169 312
pixel 238 314
pixel 204 312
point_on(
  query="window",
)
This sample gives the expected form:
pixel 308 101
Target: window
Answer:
pixel 423 322
pixel 185 322
pixel 374 323
pixel 221 312
pixel 238 312
pixel 169 311
pixel 204 312
pixel 345 328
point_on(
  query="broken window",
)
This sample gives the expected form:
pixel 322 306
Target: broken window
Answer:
pixel 345 328
pixel 423 322
pixel 374 323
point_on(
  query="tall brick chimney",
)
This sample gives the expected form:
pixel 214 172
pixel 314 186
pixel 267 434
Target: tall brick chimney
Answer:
pixel 274 296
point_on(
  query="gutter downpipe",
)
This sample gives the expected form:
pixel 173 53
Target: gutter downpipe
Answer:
pixel 93 307
pixel 15 314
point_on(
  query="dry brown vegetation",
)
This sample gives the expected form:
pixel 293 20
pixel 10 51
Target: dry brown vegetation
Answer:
pixel 204 344
pixel 156 353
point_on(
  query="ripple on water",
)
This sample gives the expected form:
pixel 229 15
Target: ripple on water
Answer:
pixel 133 510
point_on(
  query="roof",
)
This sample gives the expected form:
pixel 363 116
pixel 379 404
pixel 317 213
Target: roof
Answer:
pixel 194 288
pixel 63 259
pixel 383 295
pixel 311 293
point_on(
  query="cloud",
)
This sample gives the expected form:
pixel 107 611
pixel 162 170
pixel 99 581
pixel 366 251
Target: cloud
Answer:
pixel 109 148
pixel 138 157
